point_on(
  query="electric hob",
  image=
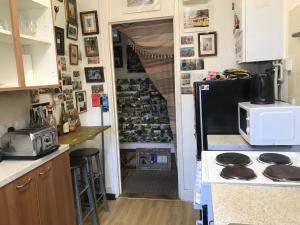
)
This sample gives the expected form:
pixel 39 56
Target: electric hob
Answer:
pixel 263 169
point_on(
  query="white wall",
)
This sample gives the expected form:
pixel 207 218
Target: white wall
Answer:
pixel 15 106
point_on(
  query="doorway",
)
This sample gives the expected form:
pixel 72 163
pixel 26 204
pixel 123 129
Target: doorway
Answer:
pixel 144 84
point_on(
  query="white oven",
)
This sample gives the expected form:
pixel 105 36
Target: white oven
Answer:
pixel 273 124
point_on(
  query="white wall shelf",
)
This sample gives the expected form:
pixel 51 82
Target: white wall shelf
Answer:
pixel 30 40
pixel 5 36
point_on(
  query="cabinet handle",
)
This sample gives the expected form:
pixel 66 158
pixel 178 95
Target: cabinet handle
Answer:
pixel 45 172
pixel 24 185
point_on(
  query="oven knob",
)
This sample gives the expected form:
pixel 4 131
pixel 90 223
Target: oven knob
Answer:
pixel 248 130
pixel 248 118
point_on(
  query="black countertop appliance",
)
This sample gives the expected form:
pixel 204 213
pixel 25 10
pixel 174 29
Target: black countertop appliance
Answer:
pixel 263 88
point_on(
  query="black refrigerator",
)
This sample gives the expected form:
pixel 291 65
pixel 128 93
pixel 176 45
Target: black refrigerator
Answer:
pixel 216 105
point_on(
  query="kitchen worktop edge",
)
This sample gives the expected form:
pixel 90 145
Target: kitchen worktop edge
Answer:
pixel 11 170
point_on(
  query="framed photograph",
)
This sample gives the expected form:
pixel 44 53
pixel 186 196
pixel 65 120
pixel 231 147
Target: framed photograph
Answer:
pixel 60 41
pixel 81 103
pixel 89 22
pixel 131 6
pixel 187 52
pixel 94 74
pixel 197 19
pixel 91 46
pixel 187 40
pixel 73 52
pixel 118 56
pixel 71 11
pixel 116 36
pixel 72 31
pixel 134 64
pixel 207 44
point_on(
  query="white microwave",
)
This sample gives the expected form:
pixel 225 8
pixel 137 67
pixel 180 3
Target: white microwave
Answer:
pixel 273 124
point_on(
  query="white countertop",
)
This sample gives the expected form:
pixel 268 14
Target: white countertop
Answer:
pixel 10 170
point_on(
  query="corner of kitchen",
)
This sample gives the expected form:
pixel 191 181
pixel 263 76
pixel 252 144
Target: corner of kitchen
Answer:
pixel 149 112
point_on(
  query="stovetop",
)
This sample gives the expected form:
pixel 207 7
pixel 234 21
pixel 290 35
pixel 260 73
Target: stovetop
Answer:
pixel 211 171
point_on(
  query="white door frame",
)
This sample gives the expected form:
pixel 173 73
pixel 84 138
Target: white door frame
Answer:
pixel 113 111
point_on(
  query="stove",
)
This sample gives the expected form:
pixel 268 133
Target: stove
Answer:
pixel 251 167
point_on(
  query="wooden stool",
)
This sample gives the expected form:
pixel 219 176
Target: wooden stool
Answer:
pixel 80 187
pixel 96 177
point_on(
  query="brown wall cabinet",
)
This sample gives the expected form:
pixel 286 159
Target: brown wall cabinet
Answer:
pixel 42 197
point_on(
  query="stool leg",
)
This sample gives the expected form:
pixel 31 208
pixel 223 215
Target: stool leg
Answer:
pixel 102 183
pixel 77 197
pixel 91 197
pixel 91 177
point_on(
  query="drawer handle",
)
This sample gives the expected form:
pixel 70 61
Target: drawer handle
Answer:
pixel 45 172
pixel 24 185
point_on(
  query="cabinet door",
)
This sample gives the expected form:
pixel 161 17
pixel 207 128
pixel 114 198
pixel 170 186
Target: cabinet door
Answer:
pixel 46 195
pixel 64 191
pixel 4 208
pixel 8 63
pixel 22 202
pixel 38 52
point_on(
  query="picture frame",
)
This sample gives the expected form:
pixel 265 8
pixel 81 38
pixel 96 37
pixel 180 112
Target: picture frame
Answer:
pixel 73 54
pixel 207 44
pixel 71 11
pixel 81 101
pixel 72 31
pixel 132 6
pixel 116 36
pixel 89 22
pixel 91 46
pixel 198 18
pixel 118 56
pixel 94 74
pixel 59 40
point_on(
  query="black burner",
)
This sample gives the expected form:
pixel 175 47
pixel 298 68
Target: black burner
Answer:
pixel 233 159
pixel 282 173
pixel 238 173
pixel 275 158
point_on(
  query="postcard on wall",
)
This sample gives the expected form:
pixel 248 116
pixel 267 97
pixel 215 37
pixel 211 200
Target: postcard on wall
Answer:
pixel 81 102
pixel 66 79
pixel 191 64
pixel 77 83
pixel 131 6
pixel 93 60
pixel 68 93
pixel 97 89
pixel 187 52
pixel 63 63
pixel 198 18
pixel 187 40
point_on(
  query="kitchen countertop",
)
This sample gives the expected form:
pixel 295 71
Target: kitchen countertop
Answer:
pixel 255 205
pixel 11 170
pixel 82 134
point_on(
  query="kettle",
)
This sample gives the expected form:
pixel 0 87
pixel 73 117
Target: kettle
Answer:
pixel 263 88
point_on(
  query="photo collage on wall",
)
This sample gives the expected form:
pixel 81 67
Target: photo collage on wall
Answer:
pixel 142 111
pixel 197 42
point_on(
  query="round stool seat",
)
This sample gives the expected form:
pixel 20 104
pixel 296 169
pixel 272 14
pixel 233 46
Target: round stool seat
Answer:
pixel 77 162
pixel 84 152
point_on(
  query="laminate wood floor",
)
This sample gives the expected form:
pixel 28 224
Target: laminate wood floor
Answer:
pixel 128 211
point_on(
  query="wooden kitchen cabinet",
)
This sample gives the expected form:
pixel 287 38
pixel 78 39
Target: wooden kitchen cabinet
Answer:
pixel 21 201
pixel 27 46
pixel 42 197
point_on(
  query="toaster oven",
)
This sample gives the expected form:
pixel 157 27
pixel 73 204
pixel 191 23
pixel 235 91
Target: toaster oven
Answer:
pixel 29 143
